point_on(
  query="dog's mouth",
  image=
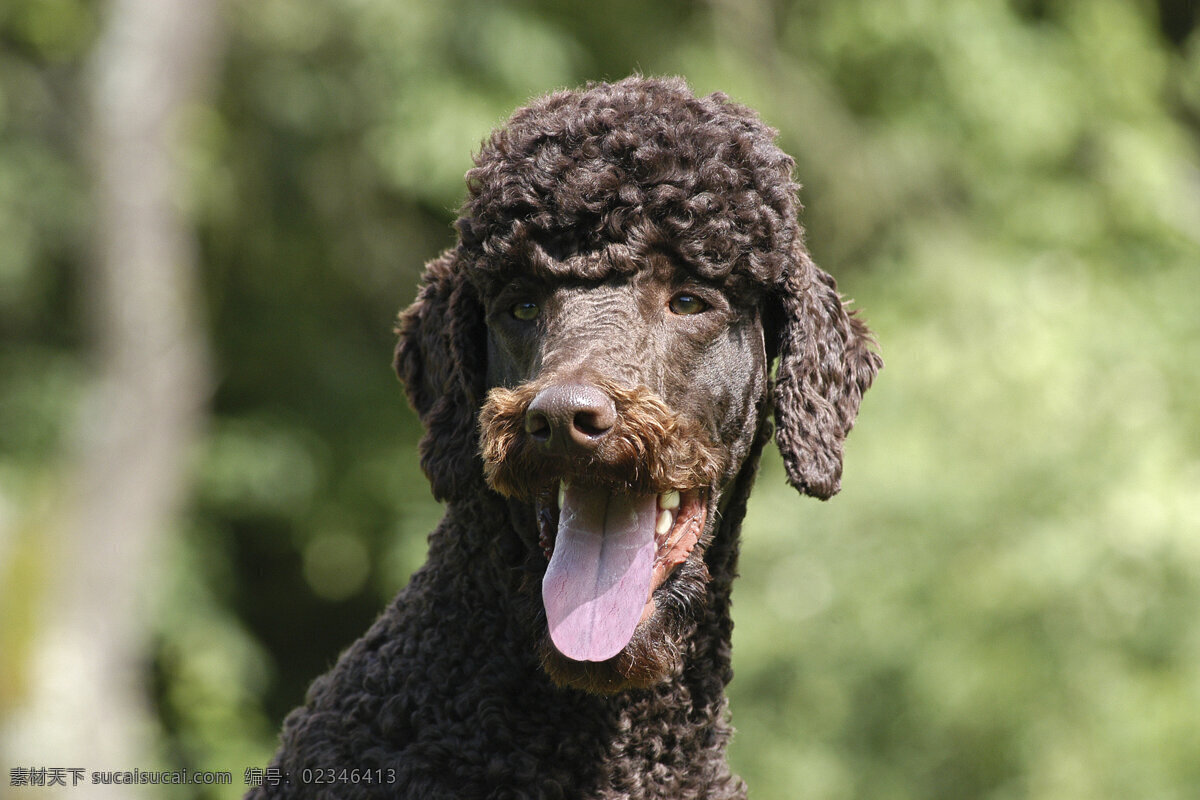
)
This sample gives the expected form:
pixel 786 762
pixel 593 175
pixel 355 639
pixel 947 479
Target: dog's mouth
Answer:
pixel 623 519
pixel 609 551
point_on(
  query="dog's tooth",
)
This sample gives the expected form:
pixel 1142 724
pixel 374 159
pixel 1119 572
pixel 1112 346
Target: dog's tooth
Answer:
pixel 669 500
pixel 665 520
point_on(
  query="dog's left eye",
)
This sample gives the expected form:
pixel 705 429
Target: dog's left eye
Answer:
pixel 525 311
pixel 684 303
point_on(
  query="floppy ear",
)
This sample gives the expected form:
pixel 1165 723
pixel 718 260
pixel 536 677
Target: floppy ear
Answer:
pixel 825 365
pixel 441 357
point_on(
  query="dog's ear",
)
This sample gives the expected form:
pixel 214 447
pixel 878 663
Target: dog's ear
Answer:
pixel 441 358
pixel 825 364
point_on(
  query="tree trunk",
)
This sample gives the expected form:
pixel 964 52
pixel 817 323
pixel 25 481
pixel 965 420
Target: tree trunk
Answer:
pixel 125 470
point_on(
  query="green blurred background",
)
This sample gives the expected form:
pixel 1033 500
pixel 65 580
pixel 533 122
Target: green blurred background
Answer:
pixel 1003 602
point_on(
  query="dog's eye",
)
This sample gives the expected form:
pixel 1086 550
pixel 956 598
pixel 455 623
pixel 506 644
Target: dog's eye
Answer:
pixel 525 311
pixel 684 303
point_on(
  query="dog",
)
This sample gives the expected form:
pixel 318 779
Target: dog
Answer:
pixel 597 363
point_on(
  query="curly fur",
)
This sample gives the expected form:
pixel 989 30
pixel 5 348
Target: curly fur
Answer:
pixel 609 194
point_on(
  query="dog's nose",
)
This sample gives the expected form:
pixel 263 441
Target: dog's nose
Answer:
pixel 570 416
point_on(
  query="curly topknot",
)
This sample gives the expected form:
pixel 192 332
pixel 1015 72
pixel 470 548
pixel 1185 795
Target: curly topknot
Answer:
pixel 587 182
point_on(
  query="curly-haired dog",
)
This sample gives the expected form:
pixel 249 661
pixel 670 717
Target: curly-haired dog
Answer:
pixel 592 364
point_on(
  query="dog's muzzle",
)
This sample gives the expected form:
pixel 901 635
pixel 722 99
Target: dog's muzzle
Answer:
pixel 600 433
pixel 620 486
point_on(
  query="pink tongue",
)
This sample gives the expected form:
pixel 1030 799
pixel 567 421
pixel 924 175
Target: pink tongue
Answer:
pixel 598 580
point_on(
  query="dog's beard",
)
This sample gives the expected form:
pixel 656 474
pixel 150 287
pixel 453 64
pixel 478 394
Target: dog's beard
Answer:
pixel 650 451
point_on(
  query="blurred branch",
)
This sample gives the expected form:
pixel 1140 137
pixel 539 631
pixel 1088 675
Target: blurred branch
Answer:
pixel 87 704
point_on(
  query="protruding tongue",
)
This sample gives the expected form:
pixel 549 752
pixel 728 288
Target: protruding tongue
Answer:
pixel 598 580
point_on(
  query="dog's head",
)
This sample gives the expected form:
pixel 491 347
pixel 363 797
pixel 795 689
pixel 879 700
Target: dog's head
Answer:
pixel 599 347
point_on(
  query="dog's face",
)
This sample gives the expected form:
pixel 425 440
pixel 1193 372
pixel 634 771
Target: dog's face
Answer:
pixel 622 410
pixel 599 348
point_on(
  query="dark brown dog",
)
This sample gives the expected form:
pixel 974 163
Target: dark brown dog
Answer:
pixel 593 366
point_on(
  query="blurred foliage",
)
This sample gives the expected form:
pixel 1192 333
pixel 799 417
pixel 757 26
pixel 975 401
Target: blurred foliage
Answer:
pixel 1005 600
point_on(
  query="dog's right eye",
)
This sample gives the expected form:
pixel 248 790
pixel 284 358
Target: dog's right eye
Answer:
pixel 685 304
pixel 525 311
